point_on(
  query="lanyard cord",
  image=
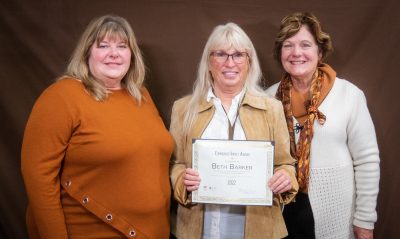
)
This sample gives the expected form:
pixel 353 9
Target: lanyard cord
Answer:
pixel 231 128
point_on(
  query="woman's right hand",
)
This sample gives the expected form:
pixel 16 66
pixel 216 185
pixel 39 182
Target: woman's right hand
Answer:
pixel 191 179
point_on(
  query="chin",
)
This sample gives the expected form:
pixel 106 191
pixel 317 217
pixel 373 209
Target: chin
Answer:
pixel 115 77
pixel 232 84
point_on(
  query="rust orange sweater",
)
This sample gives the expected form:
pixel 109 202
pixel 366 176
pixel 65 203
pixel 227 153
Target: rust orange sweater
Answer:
pixel 96 169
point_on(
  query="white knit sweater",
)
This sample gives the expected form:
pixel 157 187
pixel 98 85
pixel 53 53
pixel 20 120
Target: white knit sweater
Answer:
pixel 344 164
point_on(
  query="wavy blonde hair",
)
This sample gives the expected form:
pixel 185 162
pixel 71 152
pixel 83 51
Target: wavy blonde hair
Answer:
pixel 114 27
pixel 228 35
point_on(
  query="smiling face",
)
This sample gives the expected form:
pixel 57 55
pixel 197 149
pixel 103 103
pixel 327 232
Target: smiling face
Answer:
pixel 109 61
pixel 300 55
pixel 229 76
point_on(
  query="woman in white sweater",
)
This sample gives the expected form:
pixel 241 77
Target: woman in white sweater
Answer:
pixel 332 138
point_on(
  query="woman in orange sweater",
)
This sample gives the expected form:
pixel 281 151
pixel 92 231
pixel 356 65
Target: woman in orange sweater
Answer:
pixel 91 164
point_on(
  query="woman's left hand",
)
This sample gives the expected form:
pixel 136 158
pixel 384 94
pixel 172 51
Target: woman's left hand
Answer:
pixel 280 182
pixel 362 233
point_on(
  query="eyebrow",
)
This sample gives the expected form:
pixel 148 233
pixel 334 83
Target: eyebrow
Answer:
pixel 288 41
pixel 118 42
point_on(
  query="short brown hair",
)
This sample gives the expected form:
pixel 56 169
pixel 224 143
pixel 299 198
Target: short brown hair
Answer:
pixel 292 23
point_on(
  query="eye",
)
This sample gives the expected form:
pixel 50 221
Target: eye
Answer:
pixel 306 44
pixel 239 54
pixel 220 54
pixel 286 45
pixel 122 46
pixel 102 45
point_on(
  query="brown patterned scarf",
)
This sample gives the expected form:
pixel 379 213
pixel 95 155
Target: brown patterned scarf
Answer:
pixel 301 151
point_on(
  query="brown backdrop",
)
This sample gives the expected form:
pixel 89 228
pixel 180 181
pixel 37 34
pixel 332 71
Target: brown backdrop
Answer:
pixel 37 38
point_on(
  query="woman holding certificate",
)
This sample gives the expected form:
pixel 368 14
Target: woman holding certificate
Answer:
pixel 332 137
pixel 228 104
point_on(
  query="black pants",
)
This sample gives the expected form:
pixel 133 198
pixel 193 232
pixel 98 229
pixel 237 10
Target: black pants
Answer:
pixel 299 218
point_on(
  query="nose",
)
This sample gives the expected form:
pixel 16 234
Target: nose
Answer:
pixel 113 52
pixel 229 61
pixel 296 51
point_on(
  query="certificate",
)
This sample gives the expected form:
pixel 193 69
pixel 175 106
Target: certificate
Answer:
pixel 233 171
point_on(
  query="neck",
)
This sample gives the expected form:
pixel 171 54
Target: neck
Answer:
pixel 226 96
pixel 303 85
pixel 112 84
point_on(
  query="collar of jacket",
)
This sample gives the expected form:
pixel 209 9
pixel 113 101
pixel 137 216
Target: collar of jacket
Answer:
pixel 249 99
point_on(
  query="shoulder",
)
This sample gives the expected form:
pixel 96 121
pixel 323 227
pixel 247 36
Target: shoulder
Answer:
pixel 180 106
pixel 271 91
pixel 145 92
pixel 64 95
pixel 181 103
pixel 65 87
pixel 183 100
pixel 345 84
pixel 263 102
pixel 146 96
pixel 346 89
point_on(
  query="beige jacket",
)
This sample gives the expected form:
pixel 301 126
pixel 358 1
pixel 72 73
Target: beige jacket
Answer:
pixel 262 118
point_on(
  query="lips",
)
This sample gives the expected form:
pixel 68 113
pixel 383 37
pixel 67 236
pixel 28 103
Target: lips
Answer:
pixel 112 63
pixel 230 74
pixel 297 62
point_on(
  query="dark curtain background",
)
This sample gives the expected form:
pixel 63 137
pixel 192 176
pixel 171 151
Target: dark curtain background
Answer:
pixel 37 38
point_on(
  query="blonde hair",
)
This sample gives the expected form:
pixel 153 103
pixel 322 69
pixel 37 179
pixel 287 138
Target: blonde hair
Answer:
pixel 292 23
pixel 228 35
pixel 114 27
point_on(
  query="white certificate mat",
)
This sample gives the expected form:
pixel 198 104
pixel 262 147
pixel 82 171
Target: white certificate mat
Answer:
pixel 233 171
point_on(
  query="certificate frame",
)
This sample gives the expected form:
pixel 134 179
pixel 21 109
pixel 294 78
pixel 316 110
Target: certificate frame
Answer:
pixel 233 171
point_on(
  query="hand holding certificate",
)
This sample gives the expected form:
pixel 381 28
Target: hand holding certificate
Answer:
pixel 233 172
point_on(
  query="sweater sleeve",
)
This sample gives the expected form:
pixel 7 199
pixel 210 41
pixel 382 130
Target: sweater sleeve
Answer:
pixel 46 138
pixel 363 147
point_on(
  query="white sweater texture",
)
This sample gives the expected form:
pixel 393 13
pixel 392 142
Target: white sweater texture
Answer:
pixel 344 164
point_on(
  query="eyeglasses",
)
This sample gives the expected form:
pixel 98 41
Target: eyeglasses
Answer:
pixel 237 57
